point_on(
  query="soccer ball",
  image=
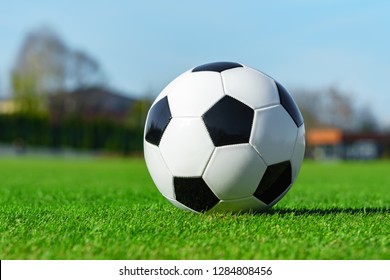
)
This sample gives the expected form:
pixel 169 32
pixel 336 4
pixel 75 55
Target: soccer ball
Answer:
pixel 223 137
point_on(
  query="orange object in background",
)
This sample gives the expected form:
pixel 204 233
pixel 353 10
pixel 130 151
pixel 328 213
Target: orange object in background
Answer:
pixel 324 136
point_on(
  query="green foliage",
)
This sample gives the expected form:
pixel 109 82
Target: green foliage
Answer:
pixel 26 96
pixel 109 209
pixel 138 113
pixel 98 135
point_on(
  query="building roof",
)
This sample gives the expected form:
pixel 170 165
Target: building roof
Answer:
pixel 334 136
pixel 91 103
pixel 324 136
pixel 383 138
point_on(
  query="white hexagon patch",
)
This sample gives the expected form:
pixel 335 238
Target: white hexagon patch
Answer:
pixel 161 175
pixel 234 171
pixel 194 93
pixel 273 134
pixel 186 147
pixel 250 87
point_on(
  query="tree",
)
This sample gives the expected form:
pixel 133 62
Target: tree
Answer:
pixel 42 58
pixel 38 69
pixel 367 121
pixel 309 104
pixel 339 109
pixel 26 96
pixel 45 65
pixel 333 107
pixel 83 71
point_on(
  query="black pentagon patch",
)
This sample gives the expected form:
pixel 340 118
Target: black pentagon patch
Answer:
pixel 194 193
pixel 289 104
pixel 229 122
pixel 216 66
pixel 276 180
pixel 158 119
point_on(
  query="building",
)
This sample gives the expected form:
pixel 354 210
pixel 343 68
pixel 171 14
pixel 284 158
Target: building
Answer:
pixel 365 145
pixel 324 143
pixel 91 103
pixel 332 143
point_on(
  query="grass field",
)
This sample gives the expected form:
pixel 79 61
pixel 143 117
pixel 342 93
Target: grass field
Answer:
pixel 109 209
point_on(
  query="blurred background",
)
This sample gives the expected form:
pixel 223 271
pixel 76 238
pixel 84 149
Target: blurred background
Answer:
pixel 78 77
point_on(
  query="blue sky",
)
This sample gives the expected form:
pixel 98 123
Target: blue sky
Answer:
pixel 143 45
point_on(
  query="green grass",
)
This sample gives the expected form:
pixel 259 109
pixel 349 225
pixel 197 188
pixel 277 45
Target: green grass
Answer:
pixel 109 209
